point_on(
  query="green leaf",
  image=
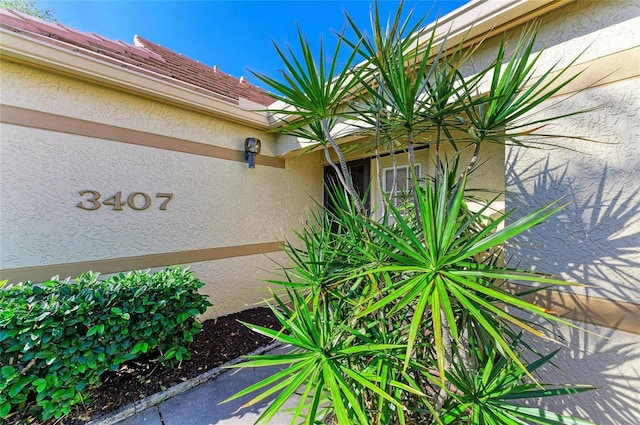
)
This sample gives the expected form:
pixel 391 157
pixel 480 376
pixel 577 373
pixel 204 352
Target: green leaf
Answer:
pixel 17 387
pixel 141 346
pixel 99 329
pixel 8 372
pixel 5 408
pixel 40 384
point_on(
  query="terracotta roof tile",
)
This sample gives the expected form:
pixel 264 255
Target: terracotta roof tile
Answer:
pixel 143 57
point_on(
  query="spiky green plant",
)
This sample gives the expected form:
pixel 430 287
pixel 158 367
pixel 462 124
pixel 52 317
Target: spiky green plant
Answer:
pixel 313 95
pixel 365 319
pixel 487 392
pixel 409 320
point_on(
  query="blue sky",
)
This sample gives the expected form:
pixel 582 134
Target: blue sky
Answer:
pixel 235 35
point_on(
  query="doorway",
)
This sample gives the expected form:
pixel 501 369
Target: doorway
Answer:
pixel 360 170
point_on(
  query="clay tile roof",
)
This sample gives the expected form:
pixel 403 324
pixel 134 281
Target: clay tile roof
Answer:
pixel 188 70
pixel 143 57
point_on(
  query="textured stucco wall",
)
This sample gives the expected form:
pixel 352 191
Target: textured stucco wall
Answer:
pixel 605 358
pixel 596 238
pixel 217 203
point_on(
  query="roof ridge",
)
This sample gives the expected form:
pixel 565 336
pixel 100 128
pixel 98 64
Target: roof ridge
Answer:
pixel 20 15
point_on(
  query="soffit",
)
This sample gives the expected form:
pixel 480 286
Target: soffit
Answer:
pixel 480 19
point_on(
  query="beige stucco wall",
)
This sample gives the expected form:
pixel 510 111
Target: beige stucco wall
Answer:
pixel 605 358
pixel 217 202
pixel 596 238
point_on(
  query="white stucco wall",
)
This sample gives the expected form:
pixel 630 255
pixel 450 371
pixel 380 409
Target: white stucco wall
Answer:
pixel 216 203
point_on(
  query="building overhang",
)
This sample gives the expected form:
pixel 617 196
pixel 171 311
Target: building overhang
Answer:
pixel 469 23
pixel 481 19
pixel 36 53
pixel 474 21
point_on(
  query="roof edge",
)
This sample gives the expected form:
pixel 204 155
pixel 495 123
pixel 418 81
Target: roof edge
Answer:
pixel 486 18
pixel 30 51
pixel 466 24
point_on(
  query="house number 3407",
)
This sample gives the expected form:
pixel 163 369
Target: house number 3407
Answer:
pixel 91 200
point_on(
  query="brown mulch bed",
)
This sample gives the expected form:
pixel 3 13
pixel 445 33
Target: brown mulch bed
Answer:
pixel 219 341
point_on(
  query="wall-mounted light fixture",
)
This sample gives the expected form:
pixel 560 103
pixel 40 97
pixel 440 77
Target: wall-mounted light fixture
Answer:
pixel 251 149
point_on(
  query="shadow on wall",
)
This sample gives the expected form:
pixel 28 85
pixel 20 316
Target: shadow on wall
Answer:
pixel 605 358
pixel 594 240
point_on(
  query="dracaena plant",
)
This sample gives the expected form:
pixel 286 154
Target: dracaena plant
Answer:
pixel 313 96
pixel 364 319
pixel 410 320
pixel 489 391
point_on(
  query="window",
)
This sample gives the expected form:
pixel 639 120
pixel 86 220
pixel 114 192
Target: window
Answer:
pixel 402 190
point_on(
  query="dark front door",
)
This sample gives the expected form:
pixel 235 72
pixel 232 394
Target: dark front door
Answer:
pixel 360 174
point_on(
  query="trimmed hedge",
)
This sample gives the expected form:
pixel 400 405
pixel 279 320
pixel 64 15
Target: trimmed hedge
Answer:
pixel 57 338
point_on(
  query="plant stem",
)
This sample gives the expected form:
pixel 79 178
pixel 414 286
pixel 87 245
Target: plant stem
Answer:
pixel 448 353
pixel 438 164
pixel 379 180
pixel 474 157
pixel 414 178
pixel 346 180
pixel 327 155
pixel 377 142
pixel 472 161
pixel 392 154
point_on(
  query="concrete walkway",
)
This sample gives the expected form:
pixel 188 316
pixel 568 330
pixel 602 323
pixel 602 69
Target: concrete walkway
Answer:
pixel 199 405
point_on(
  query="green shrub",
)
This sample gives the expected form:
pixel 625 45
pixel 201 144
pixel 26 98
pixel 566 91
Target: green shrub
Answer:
pixel 57 338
